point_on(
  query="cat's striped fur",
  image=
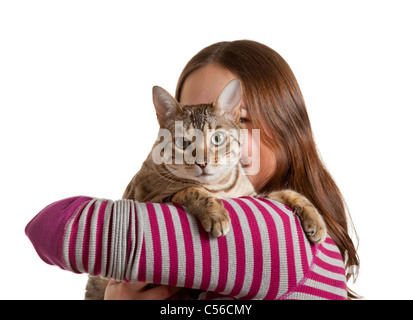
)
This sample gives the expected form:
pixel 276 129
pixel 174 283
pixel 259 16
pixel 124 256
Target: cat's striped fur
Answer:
pixel 199 184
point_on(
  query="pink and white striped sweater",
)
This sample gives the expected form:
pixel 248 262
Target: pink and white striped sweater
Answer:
pixel 264 256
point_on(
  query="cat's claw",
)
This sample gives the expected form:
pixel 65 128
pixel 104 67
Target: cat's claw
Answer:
pixel 217 223
pixel 313 224
pixel 220 228
pixel 315 233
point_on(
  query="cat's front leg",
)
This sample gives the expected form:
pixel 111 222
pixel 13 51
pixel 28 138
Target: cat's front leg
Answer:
pixel 207 208
pixel 311 220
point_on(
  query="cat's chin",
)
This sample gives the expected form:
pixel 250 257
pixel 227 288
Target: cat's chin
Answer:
pixel 194 176
pixel 206 178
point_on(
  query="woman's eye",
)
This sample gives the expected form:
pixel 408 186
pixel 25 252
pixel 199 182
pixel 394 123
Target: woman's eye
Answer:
pixel 218 138
pixel 182 143
pixel 243 120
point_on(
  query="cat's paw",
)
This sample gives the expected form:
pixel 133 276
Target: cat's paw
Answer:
pixel 207 208
pixel 215 221
pixel 312 222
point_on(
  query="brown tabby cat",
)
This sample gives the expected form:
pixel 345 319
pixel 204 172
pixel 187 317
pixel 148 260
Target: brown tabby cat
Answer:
pixel 197 162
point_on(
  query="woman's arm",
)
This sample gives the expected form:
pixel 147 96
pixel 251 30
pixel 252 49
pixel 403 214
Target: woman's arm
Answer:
pixel 264 256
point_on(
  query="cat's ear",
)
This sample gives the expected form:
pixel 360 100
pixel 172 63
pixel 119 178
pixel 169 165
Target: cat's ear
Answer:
pixel 230 97
pixel 165 105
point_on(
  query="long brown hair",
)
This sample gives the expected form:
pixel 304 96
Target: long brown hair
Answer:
pixel 276 106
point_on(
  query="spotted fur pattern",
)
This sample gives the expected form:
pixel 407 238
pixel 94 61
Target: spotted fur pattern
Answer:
pixel 199 185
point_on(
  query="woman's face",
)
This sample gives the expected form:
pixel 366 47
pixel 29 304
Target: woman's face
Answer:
pixel 203 86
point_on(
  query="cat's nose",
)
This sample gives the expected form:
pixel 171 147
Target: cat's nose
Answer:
pixel 201 164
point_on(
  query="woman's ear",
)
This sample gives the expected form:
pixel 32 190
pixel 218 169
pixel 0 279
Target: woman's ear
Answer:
pixel 230 97
pixel 165 105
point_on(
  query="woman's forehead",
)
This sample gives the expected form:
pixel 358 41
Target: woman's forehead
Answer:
pixel 205 84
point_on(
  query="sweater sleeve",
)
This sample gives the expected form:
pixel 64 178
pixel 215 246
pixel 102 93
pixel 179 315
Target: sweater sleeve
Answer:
pixel 265 255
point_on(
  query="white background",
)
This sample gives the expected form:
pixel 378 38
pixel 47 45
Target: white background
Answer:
pixel 77 116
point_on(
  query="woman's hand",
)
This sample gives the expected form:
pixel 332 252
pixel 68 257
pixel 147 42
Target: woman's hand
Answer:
pixel 137 291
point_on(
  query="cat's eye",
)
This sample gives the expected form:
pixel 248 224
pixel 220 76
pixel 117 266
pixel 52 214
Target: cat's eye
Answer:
pixel 182 143
pixel 218 138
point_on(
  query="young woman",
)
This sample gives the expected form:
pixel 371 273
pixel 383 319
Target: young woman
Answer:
pixel 273 103
pixel 287 159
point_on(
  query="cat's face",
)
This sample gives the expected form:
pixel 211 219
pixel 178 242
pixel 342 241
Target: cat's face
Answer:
pixel 205 145
pixel 200 142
